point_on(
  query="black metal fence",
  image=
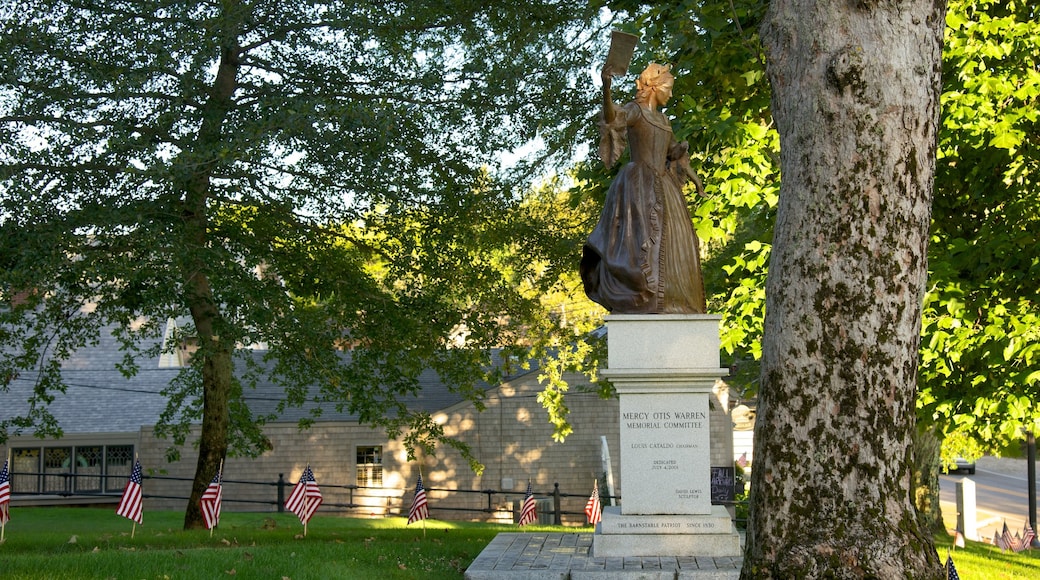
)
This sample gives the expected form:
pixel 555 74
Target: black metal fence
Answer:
pixel 49 483
pixel 358 497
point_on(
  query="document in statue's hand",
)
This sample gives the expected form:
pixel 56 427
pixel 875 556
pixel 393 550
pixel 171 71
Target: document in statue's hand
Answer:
pixel 622 45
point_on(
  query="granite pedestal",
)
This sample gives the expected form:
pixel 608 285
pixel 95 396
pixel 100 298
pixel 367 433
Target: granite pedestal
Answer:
pixel 663 368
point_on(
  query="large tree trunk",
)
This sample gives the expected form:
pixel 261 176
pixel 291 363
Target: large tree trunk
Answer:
pixel 855 99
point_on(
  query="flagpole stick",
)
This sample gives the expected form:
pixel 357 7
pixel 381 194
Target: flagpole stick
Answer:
pixel 3 526
pixel 220 482
pixel 523 504
pixel 424 519
pixel 306 506
pixel 133 530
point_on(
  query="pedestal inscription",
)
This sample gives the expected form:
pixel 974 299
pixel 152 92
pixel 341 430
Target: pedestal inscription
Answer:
pixel 718 521
pixel 665 451
pixel 662 535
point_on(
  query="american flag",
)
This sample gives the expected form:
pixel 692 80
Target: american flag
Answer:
pixel 130 505
pixel 593 508
pixel 210 501
pixel 528 513
pixel 1006 541
pixel 951 570
pixel 305 497
pixel 419 510
pixel 5 495
pixel 1027 538
pixel 742 461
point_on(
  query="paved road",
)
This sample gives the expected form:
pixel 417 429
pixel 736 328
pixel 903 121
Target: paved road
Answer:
pixel 1001 494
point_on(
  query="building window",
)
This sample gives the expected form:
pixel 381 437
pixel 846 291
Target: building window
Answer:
pixel 25 471
pixel 87 468
pixel 370 466
pixel 57 464
pixel 119 460
pixel 177 348
pixel 64 470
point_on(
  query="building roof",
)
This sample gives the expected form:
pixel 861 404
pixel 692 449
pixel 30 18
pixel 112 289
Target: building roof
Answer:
pixel 100 399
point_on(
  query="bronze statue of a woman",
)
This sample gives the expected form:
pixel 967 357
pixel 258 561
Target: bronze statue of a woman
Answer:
pixel 643 256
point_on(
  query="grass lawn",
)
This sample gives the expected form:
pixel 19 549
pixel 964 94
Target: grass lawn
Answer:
pixel 980 561
pixel 86 543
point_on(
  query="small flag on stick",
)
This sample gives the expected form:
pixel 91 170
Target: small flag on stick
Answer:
pixel 210 501
pixel 951 570
pixel 742 461
pixel 593 507
pixel 419 510
pixel 5 498
pixel 528 513
pixel 131 505
pixel 1026 541
pixel 1006 541
pixel 305 498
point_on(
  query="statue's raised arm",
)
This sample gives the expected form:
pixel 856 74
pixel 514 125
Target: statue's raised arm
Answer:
pixel 607 76
pixel 613 131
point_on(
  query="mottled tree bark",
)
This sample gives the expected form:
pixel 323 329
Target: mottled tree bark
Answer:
pixel 855 99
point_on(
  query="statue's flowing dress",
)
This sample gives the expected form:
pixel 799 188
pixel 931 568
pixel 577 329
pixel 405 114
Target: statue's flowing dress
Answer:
pixel 642 257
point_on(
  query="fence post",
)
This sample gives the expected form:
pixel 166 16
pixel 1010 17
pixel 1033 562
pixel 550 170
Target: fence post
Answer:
pixel 281 492
pixel 557 517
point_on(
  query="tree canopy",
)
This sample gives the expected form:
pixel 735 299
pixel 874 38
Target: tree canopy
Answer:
pixel 301 176
pixel 981 329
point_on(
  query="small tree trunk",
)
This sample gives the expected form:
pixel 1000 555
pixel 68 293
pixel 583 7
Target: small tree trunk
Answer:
pixel 215 348
pixel 926 480
pixel 212 441
pixel 216 387
pixel 855 99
